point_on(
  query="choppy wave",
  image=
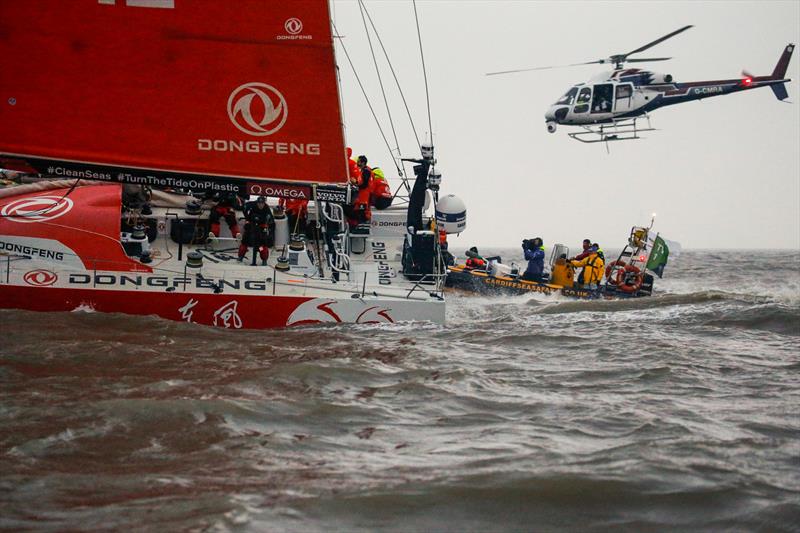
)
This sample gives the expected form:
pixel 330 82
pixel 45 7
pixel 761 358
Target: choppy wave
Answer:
pixel 676 412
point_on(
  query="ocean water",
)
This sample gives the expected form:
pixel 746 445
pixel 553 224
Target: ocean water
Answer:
pixel 680 412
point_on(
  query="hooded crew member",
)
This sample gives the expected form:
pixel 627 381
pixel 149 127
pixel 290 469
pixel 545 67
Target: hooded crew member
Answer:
pixel 599 251
pixel 380 192
pixel 534 254
pixel 258 227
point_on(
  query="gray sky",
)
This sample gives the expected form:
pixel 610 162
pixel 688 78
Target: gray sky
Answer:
pixel 720 173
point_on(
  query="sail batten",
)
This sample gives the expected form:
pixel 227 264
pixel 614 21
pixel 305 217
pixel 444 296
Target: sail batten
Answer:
pixel 241 90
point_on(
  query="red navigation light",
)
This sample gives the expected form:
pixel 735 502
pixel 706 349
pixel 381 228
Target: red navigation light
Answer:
pixel 641 258
pixel 747 82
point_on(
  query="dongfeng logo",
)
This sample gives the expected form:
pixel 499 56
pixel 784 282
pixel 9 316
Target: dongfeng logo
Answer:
pixel 293 26
pixel 36 209
pixel 294 31
pixel 40 278
pixel 257 109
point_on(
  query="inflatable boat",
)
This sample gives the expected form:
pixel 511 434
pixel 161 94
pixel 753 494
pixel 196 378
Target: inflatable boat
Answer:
pixel 625 277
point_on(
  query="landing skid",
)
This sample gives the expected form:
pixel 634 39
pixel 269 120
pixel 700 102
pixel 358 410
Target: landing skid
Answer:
pixel 619 130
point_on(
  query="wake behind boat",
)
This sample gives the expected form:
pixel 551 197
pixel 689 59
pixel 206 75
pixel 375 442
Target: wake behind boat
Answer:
pixel 163 97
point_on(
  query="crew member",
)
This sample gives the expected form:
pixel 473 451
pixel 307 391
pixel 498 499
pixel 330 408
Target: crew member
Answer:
pixel 534 254
pixel 380 193
pixel 297 210
pixel 259 225
pixel 599 251
pixel 474 259
pixel 586 245
pixel 447 257
pixel 225 207
pixel 360 212
pixel 593 267
pixel 352 167
pixel 563 274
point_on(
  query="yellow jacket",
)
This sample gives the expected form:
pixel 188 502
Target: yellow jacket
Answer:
pixel 563 274
pixel 593 268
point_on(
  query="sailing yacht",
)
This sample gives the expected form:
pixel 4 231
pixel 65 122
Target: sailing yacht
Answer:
pixel 138 112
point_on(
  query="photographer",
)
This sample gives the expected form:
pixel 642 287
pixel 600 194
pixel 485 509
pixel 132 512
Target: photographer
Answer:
pixel 534 254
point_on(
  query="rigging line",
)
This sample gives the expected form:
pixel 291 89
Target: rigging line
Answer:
pixel 377 71
pixel 380 82
pixel 424 71
pixel 363 91
pixel 402 96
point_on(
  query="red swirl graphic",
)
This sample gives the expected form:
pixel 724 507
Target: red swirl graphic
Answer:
pixel 36 209
pixel 40 278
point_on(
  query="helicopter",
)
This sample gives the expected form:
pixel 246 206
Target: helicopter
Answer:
pixel 608 106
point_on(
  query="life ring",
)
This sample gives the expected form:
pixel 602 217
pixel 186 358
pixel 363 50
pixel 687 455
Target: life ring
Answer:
pixel 623 281
pixel 610 269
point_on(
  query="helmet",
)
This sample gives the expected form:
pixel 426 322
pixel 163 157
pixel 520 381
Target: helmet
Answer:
pixel 261 199
pixel 362 159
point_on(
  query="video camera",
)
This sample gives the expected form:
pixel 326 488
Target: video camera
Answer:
pixel 531 243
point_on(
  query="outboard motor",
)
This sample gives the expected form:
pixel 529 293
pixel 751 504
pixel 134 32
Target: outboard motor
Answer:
pixel 451 214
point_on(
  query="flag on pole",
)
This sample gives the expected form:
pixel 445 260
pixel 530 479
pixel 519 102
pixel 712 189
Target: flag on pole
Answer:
pixel 660 249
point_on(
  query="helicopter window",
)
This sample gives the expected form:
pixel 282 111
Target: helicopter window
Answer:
pixel 624 91
pixel 568 98
pixel 603 94
pixel 580 108
pixel 585 95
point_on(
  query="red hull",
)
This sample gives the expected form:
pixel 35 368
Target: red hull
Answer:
pixel 229 311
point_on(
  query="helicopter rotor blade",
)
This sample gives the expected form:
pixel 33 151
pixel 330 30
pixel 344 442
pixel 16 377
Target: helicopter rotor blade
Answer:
pixel 644 59
pixel 546 68
pixel 661 39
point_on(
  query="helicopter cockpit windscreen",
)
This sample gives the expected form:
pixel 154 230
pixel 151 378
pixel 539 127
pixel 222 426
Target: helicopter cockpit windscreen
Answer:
pixel 568 98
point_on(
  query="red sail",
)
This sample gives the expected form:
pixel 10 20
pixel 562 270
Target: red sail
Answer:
pixel 193 88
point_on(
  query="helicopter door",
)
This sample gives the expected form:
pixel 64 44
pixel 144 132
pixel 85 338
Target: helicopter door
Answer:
pixel 603 98
pixel 624 98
